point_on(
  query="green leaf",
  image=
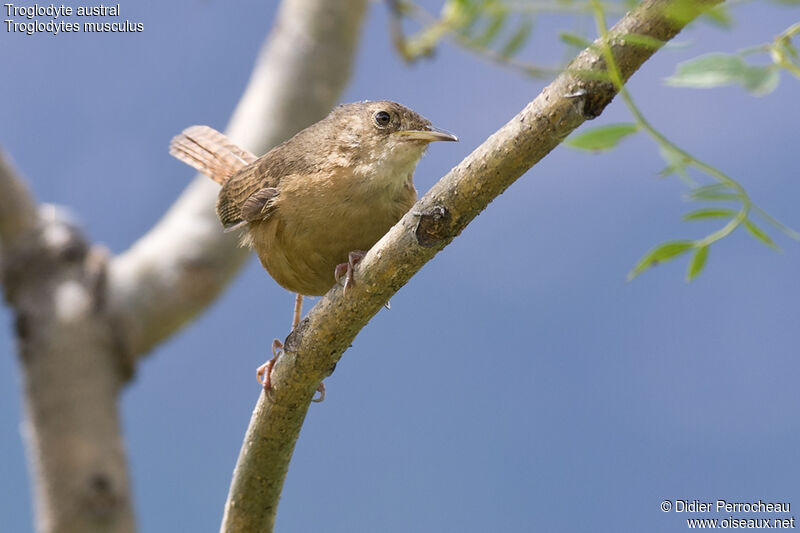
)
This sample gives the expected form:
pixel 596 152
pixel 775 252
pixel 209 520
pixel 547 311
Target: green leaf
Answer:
pixel 714 193
pixel 601 138
pixel 697 263
pixel 496 22
pixel 683 11
pixel 718 70
pixel 517 39
pixel 676 162
pixel 719 16
pixel 573 39
pixel 460 14
pixel 698 193
pixel 711 70
pixel 753 50
pixel 701 214
pixel 644 41
pixel 664 252
pixel 760 234
pixel 760 80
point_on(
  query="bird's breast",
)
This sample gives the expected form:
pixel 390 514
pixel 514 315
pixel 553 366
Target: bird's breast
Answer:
pixel 319 218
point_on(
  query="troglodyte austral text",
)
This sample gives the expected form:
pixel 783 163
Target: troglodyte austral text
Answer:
pixel 313 205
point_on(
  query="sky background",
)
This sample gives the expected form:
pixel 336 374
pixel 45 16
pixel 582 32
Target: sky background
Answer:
pixel 518 382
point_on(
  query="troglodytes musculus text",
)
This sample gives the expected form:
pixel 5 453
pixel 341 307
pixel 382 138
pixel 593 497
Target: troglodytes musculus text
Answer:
pixel 313 205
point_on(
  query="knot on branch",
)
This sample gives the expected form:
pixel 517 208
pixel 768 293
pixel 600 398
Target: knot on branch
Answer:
pixel 56 242
pixel 102 498
pixel 433 226
pixel 598 95
pixel 591 97
pixel 295 337
pixel 60 237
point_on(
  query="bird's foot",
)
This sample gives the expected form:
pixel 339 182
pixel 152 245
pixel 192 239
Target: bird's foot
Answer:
pixel 346 269
pixel 264 372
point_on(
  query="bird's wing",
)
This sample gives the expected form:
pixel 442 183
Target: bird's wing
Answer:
pixel 250 194
pixel 258 206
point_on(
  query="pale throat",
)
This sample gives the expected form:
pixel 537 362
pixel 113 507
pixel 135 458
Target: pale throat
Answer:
pixel 391 169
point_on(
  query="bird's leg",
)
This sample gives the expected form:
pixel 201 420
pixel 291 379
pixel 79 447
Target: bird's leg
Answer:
pixel 346 269
pixel 264 372
pixel 298 310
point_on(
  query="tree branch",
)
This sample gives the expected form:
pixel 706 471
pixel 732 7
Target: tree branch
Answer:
pixel 182 263
pixel 17 207
pixel 71 369
pixel 313 349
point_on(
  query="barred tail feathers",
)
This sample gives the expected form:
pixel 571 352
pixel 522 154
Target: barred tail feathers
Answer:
pixel 210 152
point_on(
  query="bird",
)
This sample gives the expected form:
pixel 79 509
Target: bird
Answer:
pixel 313 205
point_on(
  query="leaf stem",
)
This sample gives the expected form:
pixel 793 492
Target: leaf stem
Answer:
pixel 646 126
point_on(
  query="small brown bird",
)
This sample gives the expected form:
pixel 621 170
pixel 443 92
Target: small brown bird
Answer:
pixel 314 204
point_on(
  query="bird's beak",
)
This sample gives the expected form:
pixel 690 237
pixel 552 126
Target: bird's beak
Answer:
pixel 430 134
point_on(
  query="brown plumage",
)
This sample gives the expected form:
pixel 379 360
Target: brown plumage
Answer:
pixel 334 188
pixel 210 152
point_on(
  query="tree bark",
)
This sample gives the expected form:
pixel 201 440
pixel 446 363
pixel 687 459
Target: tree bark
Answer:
pixel 313 349
pixel 83 320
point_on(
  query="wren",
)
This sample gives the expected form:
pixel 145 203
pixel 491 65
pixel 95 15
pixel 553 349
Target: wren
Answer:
pixel 313 205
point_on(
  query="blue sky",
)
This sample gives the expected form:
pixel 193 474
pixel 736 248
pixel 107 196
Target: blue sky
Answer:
pixel 518 382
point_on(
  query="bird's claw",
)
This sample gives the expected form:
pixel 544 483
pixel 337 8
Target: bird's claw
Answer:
pixel 264 372
pixel 346 269
pixel 339 271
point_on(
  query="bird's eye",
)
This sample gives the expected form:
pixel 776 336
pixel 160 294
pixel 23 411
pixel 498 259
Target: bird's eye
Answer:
pixel 382 118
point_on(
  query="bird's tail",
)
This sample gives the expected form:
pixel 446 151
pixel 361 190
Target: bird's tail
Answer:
pixel 210 152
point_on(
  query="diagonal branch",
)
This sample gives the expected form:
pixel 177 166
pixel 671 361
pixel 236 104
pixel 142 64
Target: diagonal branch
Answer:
pixel 182 263
pixel 312 350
